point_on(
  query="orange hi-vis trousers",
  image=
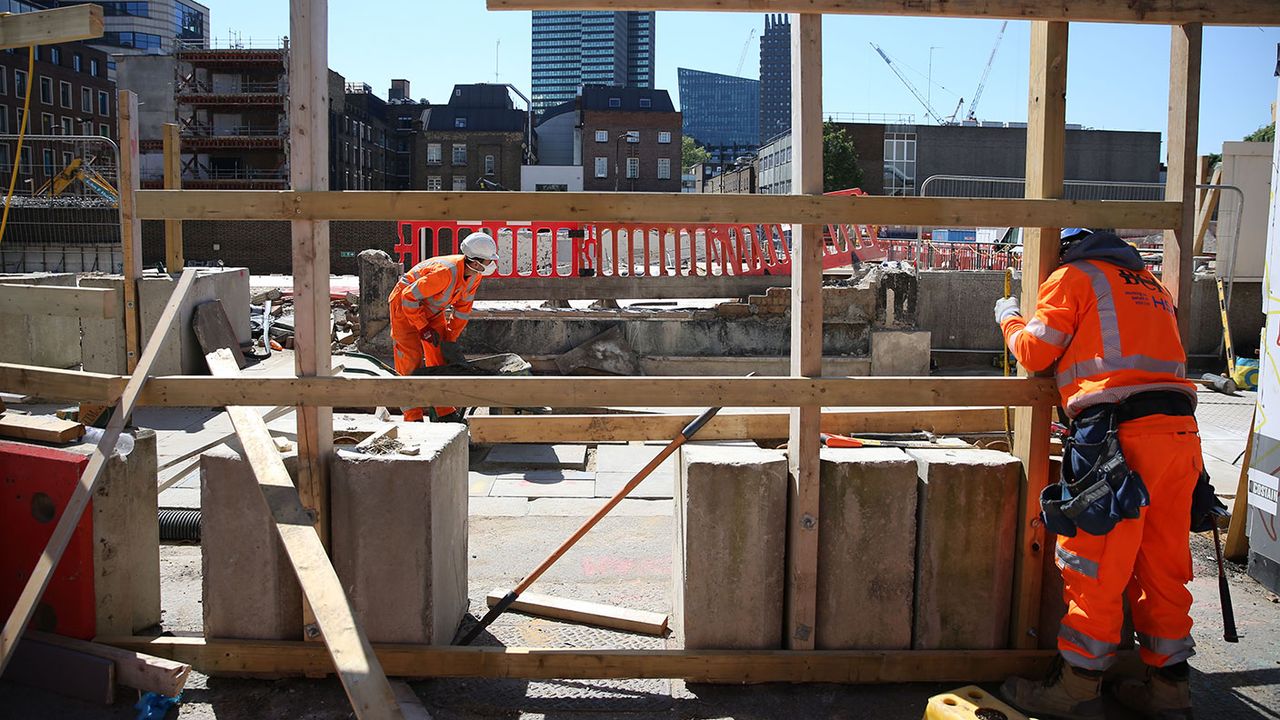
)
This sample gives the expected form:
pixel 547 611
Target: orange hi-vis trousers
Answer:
pixel 1148 558
pixel 411 353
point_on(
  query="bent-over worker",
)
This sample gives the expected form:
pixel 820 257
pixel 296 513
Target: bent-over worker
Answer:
pixel 1123 507
pixel 431 305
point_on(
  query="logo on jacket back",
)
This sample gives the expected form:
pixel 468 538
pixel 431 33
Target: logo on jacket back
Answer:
pixel 1158 297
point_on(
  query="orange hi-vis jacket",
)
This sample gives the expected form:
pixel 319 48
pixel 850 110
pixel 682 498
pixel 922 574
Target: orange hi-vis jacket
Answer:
pixel 428 289
pixel 1110 328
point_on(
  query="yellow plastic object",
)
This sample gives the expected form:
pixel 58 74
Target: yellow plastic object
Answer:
pixel 969 703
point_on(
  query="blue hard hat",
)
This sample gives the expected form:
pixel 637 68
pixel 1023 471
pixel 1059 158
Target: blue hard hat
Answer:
pixel 1073 233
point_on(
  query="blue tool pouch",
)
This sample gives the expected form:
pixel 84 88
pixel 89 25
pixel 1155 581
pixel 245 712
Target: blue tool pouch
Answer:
pixel 1097 489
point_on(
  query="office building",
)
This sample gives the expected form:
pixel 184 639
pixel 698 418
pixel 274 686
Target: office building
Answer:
pixel 150 27
pixel 575 48
pixel 720 110
pixel 775 77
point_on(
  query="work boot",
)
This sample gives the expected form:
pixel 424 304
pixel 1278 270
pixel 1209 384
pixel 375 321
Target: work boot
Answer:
pixel 1164 695
pixel 1067 693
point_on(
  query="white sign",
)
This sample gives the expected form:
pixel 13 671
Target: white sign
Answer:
pixel 1264 490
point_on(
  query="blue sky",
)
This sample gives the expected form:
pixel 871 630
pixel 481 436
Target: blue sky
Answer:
pixel 1118 75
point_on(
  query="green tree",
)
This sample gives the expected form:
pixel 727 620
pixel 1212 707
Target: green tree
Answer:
pixel 692 153
pixel 840 169
pixel 1266 133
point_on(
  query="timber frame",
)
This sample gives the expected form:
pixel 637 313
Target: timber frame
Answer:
pixel 313 391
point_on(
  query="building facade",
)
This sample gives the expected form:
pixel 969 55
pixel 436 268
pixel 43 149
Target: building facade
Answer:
pixel 775 76
pixel 143 27
pixel 575 48
pixel 358 137
pixel 476 141
pixel 629 140
pixel 404 128
pixel 720 110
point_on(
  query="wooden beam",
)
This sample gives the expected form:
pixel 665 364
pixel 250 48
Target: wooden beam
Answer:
pixel 50 384
pixel 623 288
pixel 497 429
pixel 587 613
pixel 1046 165
pixel 130 221
pixel 1236 547
pixel 241 657
pixel 59 301
pixel 173 252
pixel 1218 12
pixel 349 649
pixel 48 560
pixel 51 27
pixel 657 208
pixel 41 428
pixel 1205 210
pixel 133 669
pixel 309 171
pixel 1177 271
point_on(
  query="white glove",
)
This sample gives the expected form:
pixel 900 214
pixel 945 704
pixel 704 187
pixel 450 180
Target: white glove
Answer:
pixel 1007 307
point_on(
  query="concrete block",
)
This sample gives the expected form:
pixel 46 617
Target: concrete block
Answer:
pixel 378 275
pixel 102 341
pixel 558 456
pixel 866 549
pixel 250 589
pixel 126 544
pixel 731 527
pixel 399 535
pixel 966 522
pixel 42 340
pixel 900 352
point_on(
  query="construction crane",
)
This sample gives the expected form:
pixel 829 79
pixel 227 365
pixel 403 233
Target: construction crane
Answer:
pixel 982 84
pixel 742 60
pixel 927 107
pixel 85 173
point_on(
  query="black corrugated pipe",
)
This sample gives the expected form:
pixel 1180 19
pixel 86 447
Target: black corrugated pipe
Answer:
pixel 180 526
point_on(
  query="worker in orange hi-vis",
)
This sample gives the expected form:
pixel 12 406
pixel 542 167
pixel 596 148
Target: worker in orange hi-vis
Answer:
pixel 431 305
pixel 1123 508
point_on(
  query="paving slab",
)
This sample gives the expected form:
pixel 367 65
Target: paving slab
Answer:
pixel 559 456
pixel 654 486
pixel 521 486
pixel 585 507
pixel 498 506
pixel 479 484
pixel 631 458
pixel 180 498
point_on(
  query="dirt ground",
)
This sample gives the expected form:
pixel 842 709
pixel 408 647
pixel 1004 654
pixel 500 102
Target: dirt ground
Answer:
pixel 627 561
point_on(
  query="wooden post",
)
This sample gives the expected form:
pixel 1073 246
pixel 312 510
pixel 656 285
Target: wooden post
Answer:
pixel 1046 152
pixel 1184 126
pixel 806 334
pixel 309 170
pixel 173 256
pixel 130 223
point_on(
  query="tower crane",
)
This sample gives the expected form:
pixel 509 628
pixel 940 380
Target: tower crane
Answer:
pixel 982 84
pixel 742 60
pixel 927 107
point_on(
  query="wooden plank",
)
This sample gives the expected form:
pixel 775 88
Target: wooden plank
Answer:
pixel 309 171
pixel 66 672
pixel 59 301
pixel 1218 12
pixel 498 429
pixel 650 207
pixel 587 613
pixel 357 666
pixel 1046 165
pixel 232 657
pixel 1177 271
pixel 1236 547
pixel 130 222
pixel 804 443
pixel 51 27
pixel 41 383
pixel 627 287
pixel 42 428
pixel 174 259
pixel 1207 205
pixel 213 330
pixel 48 560
pixel 133 669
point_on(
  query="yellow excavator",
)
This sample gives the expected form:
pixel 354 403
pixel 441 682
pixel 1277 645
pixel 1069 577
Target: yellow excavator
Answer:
pixel 84 172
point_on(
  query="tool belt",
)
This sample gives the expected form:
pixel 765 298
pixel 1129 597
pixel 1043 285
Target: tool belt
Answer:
pixel 1098 489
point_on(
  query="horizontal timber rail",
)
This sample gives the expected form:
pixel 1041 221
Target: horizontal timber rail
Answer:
pixel 190 391
pixel 1168 12
pixel 297 658
pixel 652 207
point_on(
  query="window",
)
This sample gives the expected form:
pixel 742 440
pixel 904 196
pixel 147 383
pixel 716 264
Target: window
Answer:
pixel 86 100
pixel 4 124
pixel 459 122
pixel 4 82
pixel 86 127
pixel 104 102
pixel 64 95
pixel 67 158
pixel 646 102
pixel 899 163
pixel 459 154
pixel 615 102
pixel 77 62
pixel 68 126
pixel 136 9
pixel 25 160
pixel 46 90
pixel 434 154
pixel 459 183
pixel 664 138
pixel 48 162
pixel 17 118
pixel 633 168
pixel 46 123
pixel 104 130
pixel 434 182
pixel 489 164
pixel 664 168
pixel 189 21
pixel 19 83
pixel 93 68
pixel 138 40
pixel 602 136
pixel 55 55
pixel 633 136
pixel 602 167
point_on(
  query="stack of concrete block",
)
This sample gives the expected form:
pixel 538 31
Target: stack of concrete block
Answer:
pixel 866 549
pixel 731 527
pixel 42 340
pixel 967 523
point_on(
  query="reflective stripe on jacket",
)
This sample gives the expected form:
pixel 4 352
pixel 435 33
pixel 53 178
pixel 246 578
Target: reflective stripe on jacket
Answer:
pixel 431 287
pixel 1111 330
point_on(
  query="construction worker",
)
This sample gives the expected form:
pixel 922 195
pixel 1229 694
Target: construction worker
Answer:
pixel 430 306
pixel 1123 507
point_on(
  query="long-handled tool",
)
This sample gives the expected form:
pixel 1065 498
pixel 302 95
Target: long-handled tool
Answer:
pixel 844 441
pixel 1004 355
pixel 1224 593
pixel 688 432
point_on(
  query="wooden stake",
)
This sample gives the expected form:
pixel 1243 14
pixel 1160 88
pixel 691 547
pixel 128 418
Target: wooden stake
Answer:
pixel 1236 548
pixel 130 222
pixel 173 252
pixel 1184 126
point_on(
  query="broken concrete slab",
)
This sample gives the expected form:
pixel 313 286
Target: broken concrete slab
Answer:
pixel 900 352
pixel 866 550
pixel 41 340
pixel 608 353
pixel 655 486
pixel 213 330
pixel 731 526
pixel 399 535
pixel 967 519
pixel 558 456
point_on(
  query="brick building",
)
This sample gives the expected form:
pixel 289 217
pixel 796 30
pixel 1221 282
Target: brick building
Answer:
pixel 404 125
pixel 478 135
pixel 628 139
pixel 358 139
pixel 738 179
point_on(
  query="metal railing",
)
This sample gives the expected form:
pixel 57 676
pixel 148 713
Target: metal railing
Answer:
pixel 973 186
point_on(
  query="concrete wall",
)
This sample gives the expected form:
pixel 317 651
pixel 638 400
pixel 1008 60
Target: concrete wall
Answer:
pixel 43 340
pixel 61 257
pixel 1247 165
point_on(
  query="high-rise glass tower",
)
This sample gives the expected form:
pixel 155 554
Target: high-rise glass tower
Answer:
pixel 720 109
pixel 572 48
pixel 775 77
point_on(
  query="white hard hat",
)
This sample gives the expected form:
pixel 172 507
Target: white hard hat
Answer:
pixel 480 246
